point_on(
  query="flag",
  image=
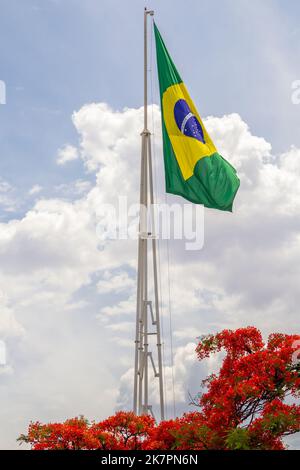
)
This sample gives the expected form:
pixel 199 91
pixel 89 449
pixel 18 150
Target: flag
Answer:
pixel 193 167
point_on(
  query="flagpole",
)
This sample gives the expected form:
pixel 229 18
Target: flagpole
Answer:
pixel 146 13
pixel 144 306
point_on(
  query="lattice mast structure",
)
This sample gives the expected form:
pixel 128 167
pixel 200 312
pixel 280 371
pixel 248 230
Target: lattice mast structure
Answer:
pixel 147 310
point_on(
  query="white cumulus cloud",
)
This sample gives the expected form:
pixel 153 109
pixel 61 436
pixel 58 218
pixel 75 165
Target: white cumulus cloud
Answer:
pixel 72 295
pixel 66 154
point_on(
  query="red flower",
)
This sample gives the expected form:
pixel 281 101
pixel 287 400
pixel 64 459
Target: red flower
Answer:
pixel 243 406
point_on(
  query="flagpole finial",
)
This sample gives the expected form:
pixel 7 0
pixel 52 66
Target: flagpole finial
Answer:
pixel 149 12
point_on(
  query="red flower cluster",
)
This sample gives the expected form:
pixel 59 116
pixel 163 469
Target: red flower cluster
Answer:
pixel 243 408
pixel 244 403
pixel 119 432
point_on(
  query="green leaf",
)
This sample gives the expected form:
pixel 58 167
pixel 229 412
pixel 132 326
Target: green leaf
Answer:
pixel 238 439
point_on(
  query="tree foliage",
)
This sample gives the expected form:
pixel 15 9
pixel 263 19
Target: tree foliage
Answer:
pixel 250 404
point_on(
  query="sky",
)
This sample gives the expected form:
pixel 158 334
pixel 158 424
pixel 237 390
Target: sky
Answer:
pixel 69 143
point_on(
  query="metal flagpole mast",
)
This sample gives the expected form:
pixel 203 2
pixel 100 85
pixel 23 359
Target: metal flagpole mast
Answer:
pixel 147 313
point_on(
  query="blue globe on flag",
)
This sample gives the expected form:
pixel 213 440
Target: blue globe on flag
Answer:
pixel 187 122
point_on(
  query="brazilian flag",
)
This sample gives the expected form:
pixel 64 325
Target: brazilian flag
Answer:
pixel 193 167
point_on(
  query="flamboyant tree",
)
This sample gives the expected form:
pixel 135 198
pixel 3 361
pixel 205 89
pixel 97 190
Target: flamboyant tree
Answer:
pixel 122 431
pixel 250 404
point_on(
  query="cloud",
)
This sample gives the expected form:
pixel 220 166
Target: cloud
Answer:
pixel 117 283
pixel 5 187
pixel 8 201
pixel 9 326
pixel 72 295
pixel 35 190
pixel 122 308
pixel 67 154
pixel 74 189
